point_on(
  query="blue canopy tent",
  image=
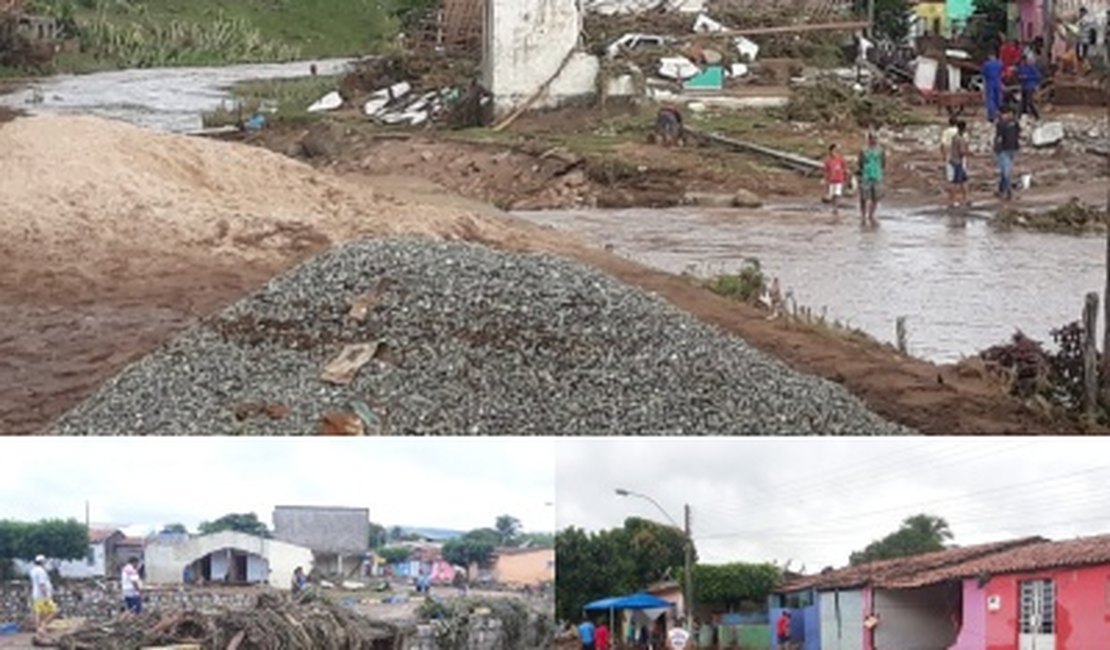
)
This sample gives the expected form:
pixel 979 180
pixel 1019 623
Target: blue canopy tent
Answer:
pixel 639 601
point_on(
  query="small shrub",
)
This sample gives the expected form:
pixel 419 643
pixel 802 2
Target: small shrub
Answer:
pixel 746 285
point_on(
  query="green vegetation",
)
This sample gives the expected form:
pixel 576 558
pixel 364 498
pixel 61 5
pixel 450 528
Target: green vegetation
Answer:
pixel 918 534
pixel 247 523
pixel 735 586
pixel 834 103
pixel 54 538
pixel 147 33
pixel 290 97
pixel 615 561
pixel 394 554
pixel 745 285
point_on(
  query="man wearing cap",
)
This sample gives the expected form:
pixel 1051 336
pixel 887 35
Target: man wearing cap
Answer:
pixel 42 596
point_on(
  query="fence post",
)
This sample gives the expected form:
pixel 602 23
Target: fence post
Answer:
pixel 1090 354
pixel 900 334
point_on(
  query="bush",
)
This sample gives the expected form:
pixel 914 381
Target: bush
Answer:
pixel 746 285
pixel 835 103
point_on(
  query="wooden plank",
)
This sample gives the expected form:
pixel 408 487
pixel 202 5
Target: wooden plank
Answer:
pixel 792 161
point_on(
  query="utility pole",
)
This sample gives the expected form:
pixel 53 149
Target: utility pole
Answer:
pixel 689 574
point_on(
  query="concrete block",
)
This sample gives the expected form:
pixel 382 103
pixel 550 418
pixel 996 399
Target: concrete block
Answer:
pixel 1047 134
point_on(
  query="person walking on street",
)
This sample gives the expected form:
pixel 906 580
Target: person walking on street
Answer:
pixel 836 174
pixel 957 166
pixel 587 634
pixel 872 165
pixel 1088 35
pixel 992 86
pixel 131 586
pixel 782 630
pixel 42 596
pixel 1007 137
pixel 1029 74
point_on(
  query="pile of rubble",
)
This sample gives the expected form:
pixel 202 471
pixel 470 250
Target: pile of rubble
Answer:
pixel 417 337
pixel 274 622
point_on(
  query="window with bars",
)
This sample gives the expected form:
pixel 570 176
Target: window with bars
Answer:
pixel 1038 607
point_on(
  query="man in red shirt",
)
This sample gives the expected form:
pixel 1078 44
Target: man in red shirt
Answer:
pixel 1010 54
pixel 836 174
pixel 782 630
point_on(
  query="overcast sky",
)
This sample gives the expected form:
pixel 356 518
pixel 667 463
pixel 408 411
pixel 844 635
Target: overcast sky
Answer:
pixel 812 501
pixel 438 482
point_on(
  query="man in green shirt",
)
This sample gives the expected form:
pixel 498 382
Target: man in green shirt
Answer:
pixel 872 164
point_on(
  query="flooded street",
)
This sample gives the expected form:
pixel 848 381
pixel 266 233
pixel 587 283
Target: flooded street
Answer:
pixel 167 99
pixel 962 285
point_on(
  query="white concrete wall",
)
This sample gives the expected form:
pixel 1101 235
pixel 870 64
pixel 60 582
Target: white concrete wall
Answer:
pixel 526 42
pixel 258 569
pixel 83 568
pixel 165 562
pixel 841 620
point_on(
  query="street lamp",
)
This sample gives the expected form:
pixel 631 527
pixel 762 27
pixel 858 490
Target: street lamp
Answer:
pixel 688 595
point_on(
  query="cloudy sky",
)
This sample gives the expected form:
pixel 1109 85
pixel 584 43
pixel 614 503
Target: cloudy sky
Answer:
pixel 812 501
pixel 438 482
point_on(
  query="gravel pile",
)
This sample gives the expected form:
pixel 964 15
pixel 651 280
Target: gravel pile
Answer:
pixel 468 341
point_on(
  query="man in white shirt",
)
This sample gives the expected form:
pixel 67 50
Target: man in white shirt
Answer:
pixel 42 596
pixel 131 586
pixel 678 637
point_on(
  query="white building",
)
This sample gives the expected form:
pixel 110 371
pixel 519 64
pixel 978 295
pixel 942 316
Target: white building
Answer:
pixel 101 560
pixel 228 557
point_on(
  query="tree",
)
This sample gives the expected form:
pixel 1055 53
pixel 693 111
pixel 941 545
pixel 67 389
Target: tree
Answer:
pixel 466 551
pixel 892 18
pixel 242 523
pixel 918 534
pixel 508 527
pixel 989 19
pixel 538 540
pixel 54 538
pixel 174 529
pixel 484 536
pixel 732 585
pixel 379 536
pixel 394 554
pixel 619 560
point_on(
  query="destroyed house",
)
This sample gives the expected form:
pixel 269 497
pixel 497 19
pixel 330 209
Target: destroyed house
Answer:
pixel 338 537
pixel 227 557
pixel 1012 595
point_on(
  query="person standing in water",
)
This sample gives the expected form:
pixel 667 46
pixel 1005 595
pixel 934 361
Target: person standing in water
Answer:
pixel 872 165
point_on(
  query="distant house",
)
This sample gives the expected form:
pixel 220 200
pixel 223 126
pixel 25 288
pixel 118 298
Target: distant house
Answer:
pixel 1013 595
pixel 99 562
pixel 339 537
pixel 226 557
pixel 520 567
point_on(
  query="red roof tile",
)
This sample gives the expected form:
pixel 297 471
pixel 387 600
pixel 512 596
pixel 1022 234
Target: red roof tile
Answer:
pixel 98 535
pixel 1082 551
pixel 887 571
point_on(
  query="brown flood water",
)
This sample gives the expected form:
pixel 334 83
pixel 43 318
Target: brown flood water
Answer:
pixel 961 285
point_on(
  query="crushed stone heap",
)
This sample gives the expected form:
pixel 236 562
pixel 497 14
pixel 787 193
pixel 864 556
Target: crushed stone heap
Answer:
pixel 460 339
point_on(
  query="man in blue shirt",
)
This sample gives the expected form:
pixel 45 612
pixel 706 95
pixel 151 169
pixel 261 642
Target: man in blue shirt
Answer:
pixel 1030 75
pixel 586 634
pixel 992 86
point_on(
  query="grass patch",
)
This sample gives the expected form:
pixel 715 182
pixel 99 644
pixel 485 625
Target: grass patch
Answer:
pixel 745 285
pixel 290 99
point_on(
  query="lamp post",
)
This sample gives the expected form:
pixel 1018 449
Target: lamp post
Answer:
pixel 688 590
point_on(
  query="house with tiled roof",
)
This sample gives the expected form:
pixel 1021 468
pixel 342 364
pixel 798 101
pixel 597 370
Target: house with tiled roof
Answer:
pixel 1015 595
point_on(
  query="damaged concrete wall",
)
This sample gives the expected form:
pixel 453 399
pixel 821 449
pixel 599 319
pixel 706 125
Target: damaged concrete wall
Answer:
pixel 100 600
pixel 344 531
pixel 526 42
pixel 166 562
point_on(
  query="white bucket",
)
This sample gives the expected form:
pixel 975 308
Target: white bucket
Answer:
pixel 1026 181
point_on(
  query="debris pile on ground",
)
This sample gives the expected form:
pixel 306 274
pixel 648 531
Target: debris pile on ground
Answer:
pixel 274 622
pixel 415 88
pixel 1023 365
pixel 454 622
pixel 834 103
pixel 462 339
pixel 1072 217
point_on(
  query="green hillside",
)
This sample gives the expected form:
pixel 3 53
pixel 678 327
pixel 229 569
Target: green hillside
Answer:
pixel 145 33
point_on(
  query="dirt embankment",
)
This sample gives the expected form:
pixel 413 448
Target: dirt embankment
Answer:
pixel 113 239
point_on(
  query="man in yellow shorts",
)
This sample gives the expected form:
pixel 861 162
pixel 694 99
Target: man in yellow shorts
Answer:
pixel 42 596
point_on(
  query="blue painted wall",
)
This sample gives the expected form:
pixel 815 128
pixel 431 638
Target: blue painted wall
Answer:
pixel 805 626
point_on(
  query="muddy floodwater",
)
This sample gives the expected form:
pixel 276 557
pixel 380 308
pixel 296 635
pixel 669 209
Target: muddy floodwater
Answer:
pixel 962 285
pixel 167 99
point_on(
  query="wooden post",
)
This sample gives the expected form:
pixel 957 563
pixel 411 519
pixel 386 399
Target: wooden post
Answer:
pixel 900 334
pixel 1090 354
pixel 1106 319
pixel 871 19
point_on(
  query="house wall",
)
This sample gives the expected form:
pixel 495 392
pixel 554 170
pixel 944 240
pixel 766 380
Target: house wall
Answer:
pixel 959 11
pixel 526 42
pixel 345 531
pixel 973 628
pixel 166 562
pixel 926 618
pixel 525 568
pixel 1082 608
pixel 841 620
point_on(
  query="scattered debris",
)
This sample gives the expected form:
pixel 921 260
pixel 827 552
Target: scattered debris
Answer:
pixel 678 67
pixel 329 102
pixel 1047 134
pixel 632 41
pixel 343 369
pixel 789 160
pixel 342 424
pixel 835 103
pixel 1073 217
